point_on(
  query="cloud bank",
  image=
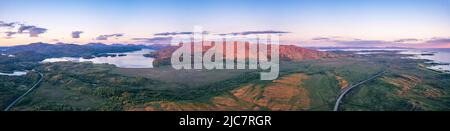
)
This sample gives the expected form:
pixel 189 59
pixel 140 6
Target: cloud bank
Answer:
pixel 8 25
pixel 31 30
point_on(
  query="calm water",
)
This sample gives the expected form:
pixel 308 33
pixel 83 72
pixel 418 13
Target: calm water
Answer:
pixel 15 73
pixel 441 56
pixel 133 59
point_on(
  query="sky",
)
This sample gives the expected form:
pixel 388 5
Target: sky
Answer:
pixel 411 23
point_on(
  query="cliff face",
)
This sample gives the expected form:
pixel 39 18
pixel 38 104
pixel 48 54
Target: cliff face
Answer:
pixel 287 53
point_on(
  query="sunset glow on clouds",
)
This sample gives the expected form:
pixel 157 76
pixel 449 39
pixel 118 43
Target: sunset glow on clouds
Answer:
pixel 410 23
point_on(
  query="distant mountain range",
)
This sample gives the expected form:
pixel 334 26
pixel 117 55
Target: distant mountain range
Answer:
pixel 295 53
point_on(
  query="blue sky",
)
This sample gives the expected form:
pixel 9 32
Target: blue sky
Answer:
pixel 385 20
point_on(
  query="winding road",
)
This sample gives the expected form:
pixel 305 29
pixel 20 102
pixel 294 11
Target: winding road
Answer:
pixel 26 93
pixel 346 90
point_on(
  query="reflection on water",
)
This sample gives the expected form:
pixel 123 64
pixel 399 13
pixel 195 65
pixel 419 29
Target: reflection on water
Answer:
pixel 440 56
pixel 133 59
pixel 15 73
